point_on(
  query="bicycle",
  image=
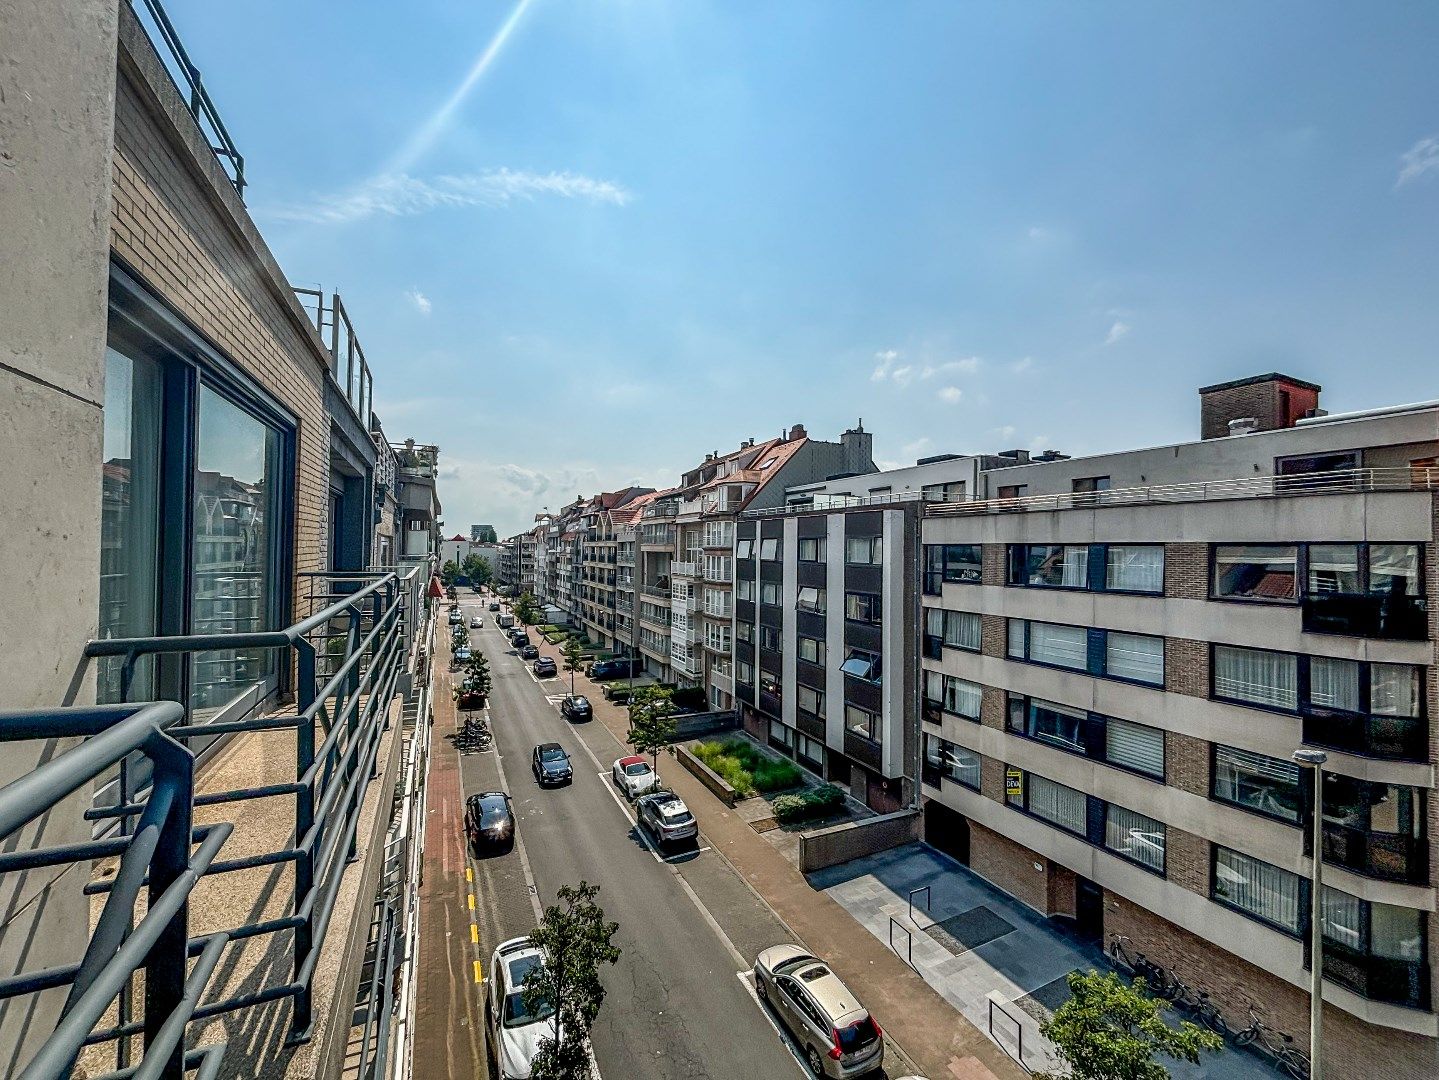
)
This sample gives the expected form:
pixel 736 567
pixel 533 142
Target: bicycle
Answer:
pixel 1198 1002
pixel 1276 1044
pixel 1154 976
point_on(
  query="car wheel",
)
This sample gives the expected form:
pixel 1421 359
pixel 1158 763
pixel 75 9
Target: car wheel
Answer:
pixel 816 1064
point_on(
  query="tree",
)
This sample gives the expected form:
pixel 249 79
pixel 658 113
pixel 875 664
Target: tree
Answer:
pixel 475 686
pixel 652 721
pixel 449 572
pixel 576 940
pixel 572 652
pixel 1110 1031
pixel 526 609
pixel 478 570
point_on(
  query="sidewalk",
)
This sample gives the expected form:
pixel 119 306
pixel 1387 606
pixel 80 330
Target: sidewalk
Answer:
pixel 938 1039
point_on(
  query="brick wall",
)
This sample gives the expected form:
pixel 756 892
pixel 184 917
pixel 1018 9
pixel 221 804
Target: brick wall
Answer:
pixel 168 225
pixel 1061 895
pixel 991 707
pixel 993 635
pixel 1186 860
pixel 1354 1050
pixel 1260 400
pixel 1186 763
pixel 1186 667
pixel 991 566
pixel 1186 571
pixel 991 778
pixel 1009 865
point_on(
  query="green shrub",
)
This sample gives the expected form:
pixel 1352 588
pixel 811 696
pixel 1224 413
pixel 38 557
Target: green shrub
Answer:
pixel 771 775
pixel 819 802
pixel 690 699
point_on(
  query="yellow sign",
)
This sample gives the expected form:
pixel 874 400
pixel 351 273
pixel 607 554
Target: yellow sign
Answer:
pixel 1013 782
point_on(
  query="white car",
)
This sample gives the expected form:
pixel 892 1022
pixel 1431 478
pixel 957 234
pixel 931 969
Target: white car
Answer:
pixel 667 817
pixel 634 776
pixel 514 1032
pixel 476 622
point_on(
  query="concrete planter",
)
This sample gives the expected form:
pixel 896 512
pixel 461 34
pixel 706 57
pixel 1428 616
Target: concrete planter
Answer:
pixel 718 786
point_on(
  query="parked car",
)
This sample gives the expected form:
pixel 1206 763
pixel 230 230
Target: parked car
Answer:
pixel 613 669
pixel 462 654
pixel 529 652
pixel 576 707
pixel 455 616
pixel 494 605
pixel 545 668
pixel 551 764
pixel 514 1031
pixel 489 822
pixel 476 622
pixel 634 776
pixel 836 1034
pixel 519 637
pixel 667 817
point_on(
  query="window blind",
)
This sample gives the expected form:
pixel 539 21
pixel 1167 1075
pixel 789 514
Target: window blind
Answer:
pixel 1135 746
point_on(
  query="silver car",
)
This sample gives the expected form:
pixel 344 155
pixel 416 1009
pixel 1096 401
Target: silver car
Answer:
pixel 667 817
pixel 836 1034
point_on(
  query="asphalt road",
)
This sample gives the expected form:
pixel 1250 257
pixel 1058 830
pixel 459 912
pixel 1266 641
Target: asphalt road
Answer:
pixel 676 1006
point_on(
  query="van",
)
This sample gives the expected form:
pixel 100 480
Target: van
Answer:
pixel 504 621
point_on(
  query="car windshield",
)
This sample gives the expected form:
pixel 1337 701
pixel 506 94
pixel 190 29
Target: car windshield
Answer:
pixel 553 753
pixel 857 1036
pixel 794 962
pixel 516 1014
pixel 638 768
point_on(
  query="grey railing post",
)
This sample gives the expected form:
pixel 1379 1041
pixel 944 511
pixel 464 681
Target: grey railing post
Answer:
pixel 301 1018
pixel 166 965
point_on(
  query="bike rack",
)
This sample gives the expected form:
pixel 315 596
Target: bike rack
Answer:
pixel 1018 1055
pixel 909 939
pixel 912 894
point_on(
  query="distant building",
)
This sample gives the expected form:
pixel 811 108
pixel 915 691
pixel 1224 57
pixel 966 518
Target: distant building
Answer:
pixel 484 534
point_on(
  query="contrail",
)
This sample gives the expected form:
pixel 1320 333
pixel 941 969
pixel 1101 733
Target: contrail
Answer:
pixel 435 126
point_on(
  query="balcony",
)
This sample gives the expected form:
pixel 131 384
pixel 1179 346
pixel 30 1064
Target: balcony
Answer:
pixel 1400 738
pixel 684 569
pixel 718 568
pixel 722 676
pixel 1378 978
pixel 719 643
pixel 718 534
pixel 718 605
pixel 689 662
pixel 1396 618
pixel 1384 856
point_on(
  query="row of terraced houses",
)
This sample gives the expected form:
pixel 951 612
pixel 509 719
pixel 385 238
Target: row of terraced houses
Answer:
pixel 1089 674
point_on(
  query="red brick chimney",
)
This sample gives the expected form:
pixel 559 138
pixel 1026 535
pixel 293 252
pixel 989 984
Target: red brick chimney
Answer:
pixel 1269 401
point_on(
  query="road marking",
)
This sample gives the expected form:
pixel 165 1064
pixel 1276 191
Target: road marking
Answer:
pixel 479 974
pixel 470 897
pixel 534 890
pixel 746 979
pixel 474 935
pixel 469 874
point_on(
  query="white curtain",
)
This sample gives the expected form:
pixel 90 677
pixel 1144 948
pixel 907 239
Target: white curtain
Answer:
pixel 1335 683
pixel 1136 656
pixel 961 629
pixel 1136 568
pixel 1139 837
pixel 1393 690
pixel 1257 887
pixel 1062 805
pixel 1076 567
pixel 963 697
pixel 1255 675
pixel 1064 646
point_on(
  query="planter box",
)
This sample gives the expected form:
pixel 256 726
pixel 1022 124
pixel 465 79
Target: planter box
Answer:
pixel 708 777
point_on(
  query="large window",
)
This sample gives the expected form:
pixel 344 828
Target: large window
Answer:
pixel 1134 746
pixel 1055 565
pixel 1136 657
pixel 769 548
pixel 1049 643
pixel 951 695
pixel 811 549
pixel 1266 785
pixel 954 629
pixel 743 549
pixel 810 700
pixel 129 516
pixel 811 599
pixel 862 722
pixel 1136 837
pixel 744 589
pixel 865 550
pixel 863 607
pixel 1057 804
pixel 769 638
pixel 944 759
pixel 1256 572
pixel 1256 677
pixel 1135 568
pixel 769 592
pixel 1122 743
pixel 956 563
pixel 1374 828
pixel 812 649
pixel 1258 889
pixel 862 664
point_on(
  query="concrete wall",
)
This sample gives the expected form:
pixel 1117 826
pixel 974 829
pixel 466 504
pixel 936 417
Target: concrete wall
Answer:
pixel 57 82
pixel 855 839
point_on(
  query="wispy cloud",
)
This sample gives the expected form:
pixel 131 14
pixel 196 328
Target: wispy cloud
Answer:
pixel 1117 330
pixel 888 367
pixel 951 394
pixel 420 300
pixel 1019 367
pixel 400 195
pixel 1039 234
pixel 1419 160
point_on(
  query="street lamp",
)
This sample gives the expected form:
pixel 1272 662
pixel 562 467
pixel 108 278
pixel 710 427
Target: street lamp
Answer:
pixel 1315 759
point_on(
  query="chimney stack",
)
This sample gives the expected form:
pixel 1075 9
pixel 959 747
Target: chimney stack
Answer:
pixel 797 432
pixel 1258 403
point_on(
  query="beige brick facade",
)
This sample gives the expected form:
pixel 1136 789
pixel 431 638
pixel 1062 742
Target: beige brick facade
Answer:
pixel 993 635
pixel 1186 763
pixel 172 227
pixel 1010 866
pixel 991 707
pixel 1186 571
pixel 1186 860
pixel 991 567
pixel 1186 667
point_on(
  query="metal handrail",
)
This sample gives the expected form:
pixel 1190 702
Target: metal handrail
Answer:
pixel 826 501
pixel 158 855
pixel 1336 482
pixel 200 104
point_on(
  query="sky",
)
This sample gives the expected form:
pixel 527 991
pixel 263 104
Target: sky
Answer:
pixel 584 242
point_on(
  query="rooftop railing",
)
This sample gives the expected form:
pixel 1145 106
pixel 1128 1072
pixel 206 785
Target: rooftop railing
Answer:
pixel 182 70
pixel 1339 482
pixel 821 503
pixel 347 658
pixel 348 366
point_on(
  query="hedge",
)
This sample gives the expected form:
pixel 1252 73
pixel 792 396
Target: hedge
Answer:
pixel 815 803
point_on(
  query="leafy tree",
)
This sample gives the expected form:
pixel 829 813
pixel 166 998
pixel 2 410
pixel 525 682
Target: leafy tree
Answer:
pixel 449 572
pixel 1110 1031
pixel 477 675
pixel 652 721
pixel 572 652
pixel 576 940
pixel 526 609
pixel 478 570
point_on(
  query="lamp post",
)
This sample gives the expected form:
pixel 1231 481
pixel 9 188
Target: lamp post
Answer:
pixel 1315 759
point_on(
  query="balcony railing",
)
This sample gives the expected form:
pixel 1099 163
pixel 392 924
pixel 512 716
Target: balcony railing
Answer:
pixel 1378 978
pixel 1397 618
pixel 1385 856
pixel 348 366
pixel 1338 482
pixel 723 678
pixel 347 658
pixel 1402 738
pixel 684 569
pixel 718 568
pixel 657 591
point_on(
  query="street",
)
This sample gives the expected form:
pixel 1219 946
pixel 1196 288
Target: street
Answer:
pixel 676 1004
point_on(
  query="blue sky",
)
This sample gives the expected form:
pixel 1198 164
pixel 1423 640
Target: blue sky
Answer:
pixel 651 228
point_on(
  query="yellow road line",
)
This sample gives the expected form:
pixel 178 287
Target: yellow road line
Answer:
pixel 478 976
pixel 474 934
pixel 469 874
pixel 471 898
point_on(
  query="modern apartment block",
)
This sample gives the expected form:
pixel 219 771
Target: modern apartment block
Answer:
pixel 601 603
pixel 826 606
pixel 1120 654
pixel 192 458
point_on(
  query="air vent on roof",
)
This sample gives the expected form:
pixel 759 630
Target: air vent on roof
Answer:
pixel 938 457
pixel 1052 455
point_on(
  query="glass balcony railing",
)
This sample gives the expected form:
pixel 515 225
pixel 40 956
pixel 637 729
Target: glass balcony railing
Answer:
pixel 1402 738
pixel 1397 618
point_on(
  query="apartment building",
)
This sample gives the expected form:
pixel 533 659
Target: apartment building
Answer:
pixel 192 458
pixel 826 616
pixel 1120 654
pixel 601 603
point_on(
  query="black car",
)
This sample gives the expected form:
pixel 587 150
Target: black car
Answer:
pixel 519 637
pixel 494 605
pixel 489 822
pixel 529 652
pixel 545 668
pixel 576 707
pixel 551 764
pixel 614 669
